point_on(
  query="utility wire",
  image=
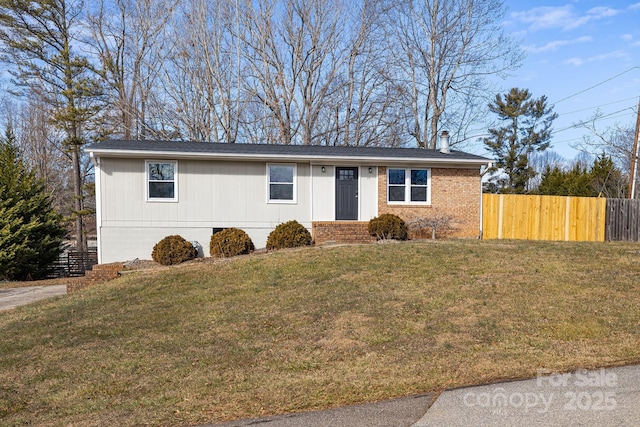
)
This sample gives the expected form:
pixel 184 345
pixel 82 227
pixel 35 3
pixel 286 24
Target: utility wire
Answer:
pixel 597 84
pixel 605 116
pixel 598 106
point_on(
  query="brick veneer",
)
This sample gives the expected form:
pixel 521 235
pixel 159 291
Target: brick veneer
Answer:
pixel 454 192
pixel 99 273
pixel 341 232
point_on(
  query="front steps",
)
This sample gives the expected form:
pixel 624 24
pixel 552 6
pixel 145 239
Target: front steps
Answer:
pixel 99 273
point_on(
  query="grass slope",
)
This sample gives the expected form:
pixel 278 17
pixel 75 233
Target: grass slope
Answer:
pixel 316 328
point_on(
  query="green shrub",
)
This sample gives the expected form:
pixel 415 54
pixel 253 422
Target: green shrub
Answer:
pixel 230 242
pixel 173 250
pixel 288 235
pixel 388 226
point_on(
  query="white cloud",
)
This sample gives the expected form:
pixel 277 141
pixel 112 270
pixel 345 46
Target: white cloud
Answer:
pixel 627 37
pixel 635 6
pixel 573 61
pixel 563 17
pixel 609 56
pixel 601 12
pixel 556 44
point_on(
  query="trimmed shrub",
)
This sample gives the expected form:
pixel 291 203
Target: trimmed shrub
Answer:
pixel 173 250
pixel 388 226
pixel 230 242
pixel 288 235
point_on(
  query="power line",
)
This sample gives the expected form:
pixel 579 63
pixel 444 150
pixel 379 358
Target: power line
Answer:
pixel 597 106
pixel 606 116
pixel 597 84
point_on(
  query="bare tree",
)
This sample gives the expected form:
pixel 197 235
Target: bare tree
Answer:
pixel 540 160
pixel 437 222
pixel 295 50
pixel 127 36
pixel 445 50
pixel 366 107
pixel 203 73
pixel 616 141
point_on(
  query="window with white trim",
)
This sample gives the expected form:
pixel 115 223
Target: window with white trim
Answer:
pixel 281 180
pixel 408 186
pixel 162 180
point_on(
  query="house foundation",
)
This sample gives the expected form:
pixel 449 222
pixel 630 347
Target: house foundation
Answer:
pixel 341 232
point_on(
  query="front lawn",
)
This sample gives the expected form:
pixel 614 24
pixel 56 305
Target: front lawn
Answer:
pixel 315 328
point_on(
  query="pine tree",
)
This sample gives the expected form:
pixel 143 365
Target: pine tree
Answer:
pixel 31 232
pixel 527 129
pixel 41 39
pixel 606 178
pixel 603 179
pixel 574 182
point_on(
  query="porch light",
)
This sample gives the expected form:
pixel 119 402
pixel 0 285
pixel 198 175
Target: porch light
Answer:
pixel 370 169
pixel 324 169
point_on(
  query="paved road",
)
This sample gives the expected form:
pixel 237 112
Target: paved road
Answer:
pixel 389 413
pixel 11 298
pixel 604 397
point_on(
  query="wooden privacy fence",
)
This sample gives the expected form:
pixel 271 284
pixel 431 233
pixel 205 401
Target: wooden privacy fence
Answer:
pixel 508 216
pixel 623 220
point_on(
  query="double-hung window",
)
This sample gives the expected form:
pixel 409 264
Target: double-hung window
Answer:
pixel 281 183
pixel 162 180
pixel 408 186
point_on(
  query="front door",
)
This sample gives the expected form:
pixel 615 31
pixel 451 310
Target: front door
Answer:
pixel 346 193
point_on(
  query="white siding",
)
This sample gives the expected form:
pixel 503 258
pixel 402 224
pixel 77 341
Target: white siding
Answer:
pixel 368 196
pixel 210 194
pixel 324 193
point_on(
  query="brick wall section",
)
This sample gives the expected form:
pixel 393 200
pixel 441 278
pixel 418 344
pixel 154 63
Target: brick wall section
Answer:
pixel 99 273
pixel 341 232
pixel 454 192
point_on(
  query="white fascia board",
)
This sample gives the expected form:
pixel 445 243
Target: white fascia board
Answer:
pixel 314 160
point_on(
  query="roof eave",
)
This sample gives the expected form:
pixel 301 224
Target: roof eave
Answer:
pixel 314 159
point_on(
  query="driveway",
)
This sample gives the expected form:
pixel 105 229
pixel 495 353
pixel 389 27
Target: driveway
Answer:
pixel 603 397
pixel 14 297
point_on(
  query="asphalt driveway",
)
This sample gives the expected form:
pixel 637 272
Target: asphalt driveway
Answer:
pixel 14 297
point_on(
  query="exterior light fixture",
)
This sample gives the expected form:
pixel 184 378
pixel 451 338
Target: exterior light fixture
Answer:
pixel 370 169
pixel 324 169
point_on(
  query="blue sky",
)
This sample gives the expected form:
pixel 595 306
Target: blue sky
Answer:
pixel 584 55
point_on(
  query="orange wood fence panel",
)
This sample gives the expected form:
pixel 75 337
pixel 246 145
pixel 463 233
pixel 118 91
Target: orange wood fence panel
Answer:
pixel 509 216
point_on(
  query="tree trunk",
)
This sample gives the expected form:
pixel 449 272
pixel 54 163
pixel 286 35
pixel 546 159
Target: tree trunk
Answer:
pixel 81 238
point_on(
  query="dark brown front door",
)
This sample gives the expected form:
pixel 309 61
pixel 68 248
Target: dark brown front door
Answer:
pixel 346 193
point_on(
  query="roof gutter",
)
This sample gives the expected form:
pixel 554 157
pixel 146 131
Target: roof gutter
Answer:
pixel 281 157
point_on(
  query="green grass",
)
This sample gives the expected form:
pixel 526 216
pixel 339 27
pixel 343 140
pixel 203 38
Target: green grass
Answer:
pixel 316 328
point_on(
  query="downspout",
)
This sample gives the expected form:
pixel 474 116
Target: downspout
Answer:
pixel 96 168
pixel 311 195
pixel 482 174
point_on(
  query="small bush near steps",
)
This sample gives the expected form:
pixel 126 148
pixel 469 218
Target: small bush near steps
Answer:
pixel 230 242
pixel 288 235
pixel 173 250
pixel 388 226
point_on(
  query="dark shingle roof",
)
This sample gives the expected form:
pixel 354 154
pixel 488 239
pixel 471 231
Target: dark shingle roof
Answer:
pixel 122 148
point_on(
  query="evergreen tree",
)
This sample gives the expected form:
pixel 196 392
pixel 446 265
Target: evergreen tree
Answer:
pixel 41 41
pixel 603 179
pixel 606 178
pixel 574 182
pixel 31 232
pixel 527 129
